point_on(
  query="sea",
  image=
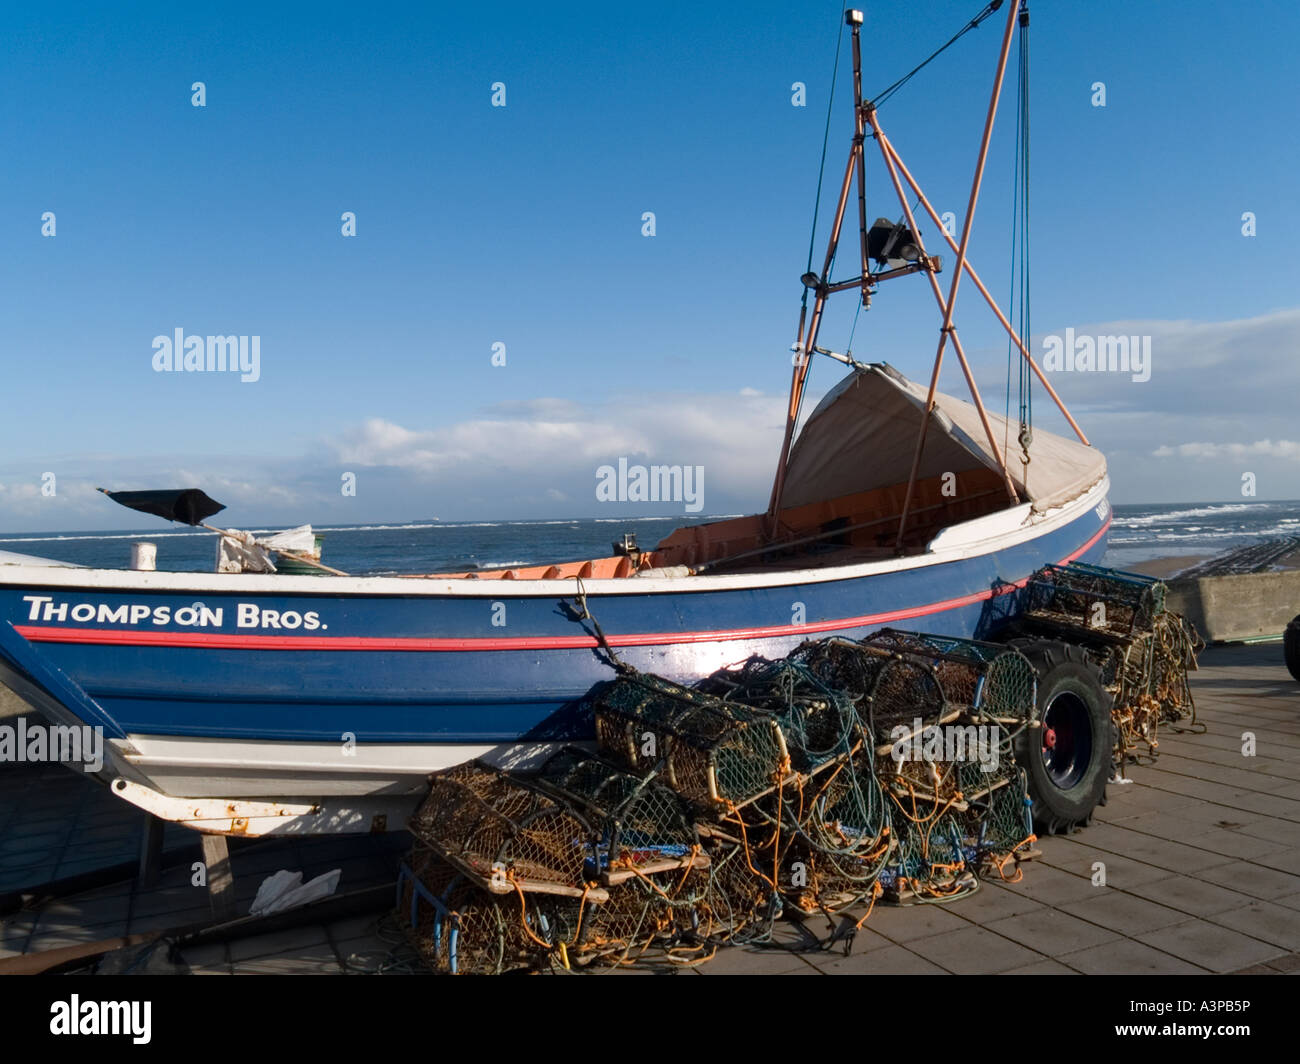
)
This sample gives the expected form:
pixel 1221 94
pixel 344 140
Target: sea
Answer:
pixel 1138 533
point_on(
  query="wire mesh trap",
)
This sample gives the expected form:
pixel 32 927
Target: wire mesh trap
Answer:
pixel 713 752
pixel 1144 650
pixel 458 928
pixel 642 825
pixel 982 680
pixel 503 834
pixel 845 773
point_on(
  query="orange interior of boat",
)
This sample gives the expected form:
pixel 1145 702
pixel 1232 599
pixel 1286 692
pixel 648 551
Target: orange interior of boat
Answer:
pixel 854 527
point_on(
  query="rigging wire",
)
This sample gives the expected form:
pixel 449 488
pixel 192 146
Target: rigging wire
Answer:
pixel 1026 333
pixel 826 136
pixel 989 9
pixel 1018 304
pixel 1015 244
pixel 848 350
pixel 821 177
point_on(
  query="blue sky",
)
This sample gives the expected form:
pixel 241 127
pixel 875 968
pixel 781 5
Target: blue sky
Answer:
pixel 522 225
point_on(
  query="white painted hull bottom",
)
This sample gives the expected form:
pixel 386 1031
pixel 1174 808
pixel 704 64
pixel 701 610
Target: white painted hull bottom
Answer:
pixel 228 784
pixel 237 768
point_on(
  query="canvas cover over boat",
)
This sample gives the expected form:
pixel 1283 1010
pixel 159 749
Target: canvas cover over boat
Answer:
pixel 862 436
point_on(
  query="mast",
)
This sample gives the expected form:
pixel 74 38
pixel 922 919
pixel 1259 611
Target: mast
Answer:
pixel 804 344
pixel 867 123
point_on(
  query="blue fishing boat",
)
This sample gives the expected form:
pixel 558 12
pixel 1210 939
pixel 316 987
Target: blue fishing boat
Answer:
pixel 245 701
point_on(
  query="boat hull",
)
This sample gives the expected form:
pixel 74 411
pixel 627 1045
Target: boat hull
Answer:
pixel 243 685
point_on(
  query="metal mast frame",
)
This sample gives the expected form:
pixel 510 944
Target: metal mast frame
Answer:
pixel 866 118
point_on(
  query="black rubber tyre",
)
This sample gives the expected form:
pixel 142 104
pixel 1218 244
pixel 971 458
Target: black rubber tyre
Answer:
pixel 1291 647
pixel 1069 759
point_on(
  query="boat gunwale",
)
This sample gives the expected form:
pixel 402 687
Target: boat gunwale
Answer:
pixel 417 586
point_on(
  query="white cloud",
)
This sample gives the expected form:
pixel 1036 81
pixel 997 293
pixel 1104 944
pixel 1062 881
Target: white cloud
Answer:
pixel 1214 388
pixel 1285 449
pixel 556 445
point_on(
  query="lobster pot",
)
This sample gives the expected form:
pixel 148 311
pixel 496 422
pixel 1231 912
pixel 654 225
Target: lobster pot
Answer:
pixel 457 928
pixel 817 874
pixel 840 813
pixel 887 688
pixel 505 835
pixel 917 779
pixel 1174 653
pixel 927 817
pixel 819 720
pixel 648 916
pixel 741 899
pixel 1144 652
pixel 1147 673
pixel 929 855
pixel 997 820
pixel 643 827
pixel 1093 599
pixel 977 678
pixel 712 752
pixel 832 805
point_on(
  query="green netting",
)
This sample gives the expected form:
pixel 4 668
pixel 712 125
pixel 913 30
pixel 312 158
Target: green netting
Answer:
pixel 885 688
pixel 982 679
pixel 711 751
pixel 641 823
pixel 1094 598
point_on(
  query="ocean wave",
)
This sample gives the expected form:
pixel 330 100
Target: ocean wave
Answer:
pixel 370 528
pixel 1173 516
pixel 1196 537
pixel 102 535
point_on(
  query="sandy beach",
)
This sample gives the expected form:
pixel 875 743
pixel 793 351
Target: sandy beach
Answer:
pixel 1166 568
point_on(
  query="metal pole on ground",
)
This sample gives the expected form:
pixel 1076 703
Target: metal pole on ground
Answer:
pixel 151 842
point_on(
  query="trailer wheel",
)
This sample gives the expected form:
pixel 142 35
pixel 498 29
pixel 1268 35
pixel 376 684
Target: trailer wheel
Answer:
pixel 1291 647
pixel 1068 759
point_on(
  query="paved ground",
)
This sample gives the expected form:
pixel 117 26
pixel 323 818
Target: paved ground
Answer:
pixel 1201 856
pixel 10 704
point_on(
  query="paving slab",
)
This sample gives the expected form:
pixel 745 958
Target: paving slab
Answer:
pixel 892 960
pixel 1052 932
pixel 1207 945
pixel 974 950
pixel 1265 921
pixel 1128 957
pixel 1127 913
pixel 1194 896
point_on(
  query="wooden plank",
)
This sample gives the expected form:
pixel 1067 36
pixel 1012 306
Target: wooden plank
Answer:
pixel 501 885
pixel 664 864
pixel 221 880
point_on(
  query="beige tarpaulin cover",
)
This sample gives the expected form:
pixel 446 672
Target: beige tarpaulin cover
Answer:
pixel 863 435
